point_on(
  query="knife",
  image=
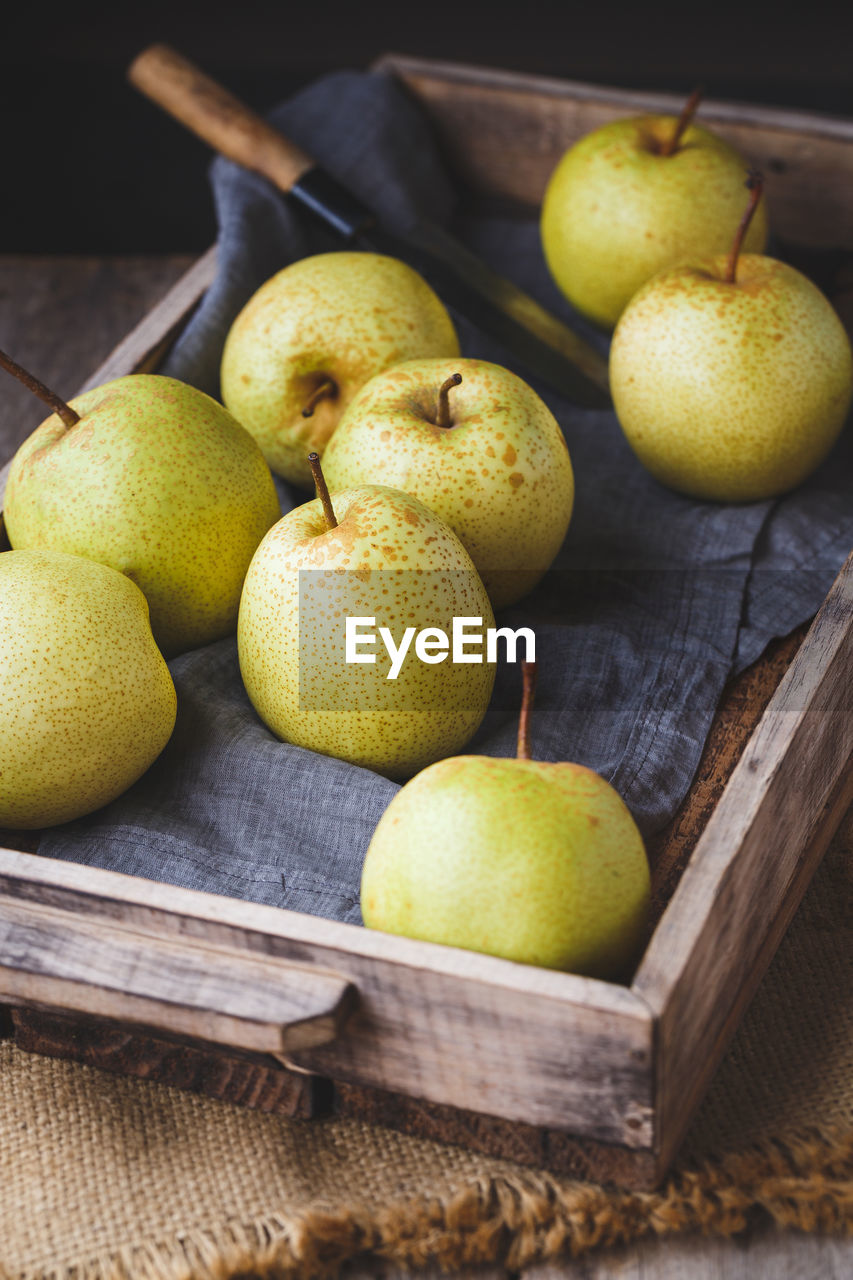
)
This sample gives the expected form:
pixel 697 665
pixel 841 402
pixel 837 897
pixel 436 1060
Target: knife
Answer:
pixel 545 346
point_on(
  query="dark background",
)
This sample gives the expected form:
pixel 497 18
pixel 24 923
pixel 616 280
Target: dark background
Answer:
pixel 89 166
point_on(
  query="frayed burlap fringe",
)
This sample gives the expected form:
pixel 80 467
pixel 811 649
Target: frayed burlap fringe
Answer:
pixel 804 1182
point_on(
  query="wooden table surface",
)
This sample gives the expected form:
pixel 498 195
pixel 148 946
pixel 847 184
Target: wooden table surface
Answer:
pixel 60 316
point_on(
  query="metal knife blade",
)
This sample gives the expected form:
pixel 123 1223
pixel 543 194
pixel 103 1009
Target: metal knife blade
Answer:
pixel 546 347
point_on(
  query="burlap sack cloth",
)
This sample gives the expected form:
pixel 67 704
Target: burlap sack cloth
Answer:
pixel 109 1177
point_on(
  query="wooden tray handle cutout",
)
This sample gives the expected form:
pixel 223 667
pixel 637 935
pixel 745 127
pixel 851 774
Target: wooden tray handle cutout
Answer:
pixel 216 116
pixel 53 959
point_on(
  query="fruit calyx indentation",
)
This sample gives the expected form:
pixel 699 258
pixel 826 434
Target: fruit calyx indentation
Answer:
pixel 755 185
pixel 442 416
pixel 327 389
pixel 528 677
pixel 671 144
pixel 322 490
pixel 50 398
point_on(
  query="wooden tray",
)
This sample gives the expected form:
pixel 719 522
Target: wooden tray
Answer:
pixel 296 1014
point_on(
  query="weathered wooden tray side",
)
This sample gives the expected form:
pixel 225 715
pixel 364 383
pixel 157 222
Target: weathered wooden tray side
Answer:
pixel 504 133
pixel 546 1048
pixel 750 868
pixel 591 1077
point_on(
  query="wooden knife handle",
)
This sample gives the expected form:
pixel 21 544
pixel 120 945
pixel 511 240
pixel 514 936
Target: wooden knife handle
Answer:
pixel 216 116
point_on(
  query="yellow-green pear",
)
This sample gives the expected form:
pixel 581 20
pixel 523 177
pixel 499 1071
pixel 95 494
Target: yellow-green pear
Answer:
pixel 312 335
pixel 731 377
pixel 635 196
pixel 535 862
pixel 372 558
pixel 86 699
pixel 157 480
pixel 476 444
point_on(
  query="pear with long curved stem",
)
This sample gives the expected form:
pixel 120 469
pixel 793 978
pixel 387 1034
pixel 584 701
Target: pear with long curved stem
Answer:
pixel 532 861
pixel 155 479
pixel 48 397
pixel 528 676
pixel 731 375
pixel 635 197
pixel 670 145
pixel 755 185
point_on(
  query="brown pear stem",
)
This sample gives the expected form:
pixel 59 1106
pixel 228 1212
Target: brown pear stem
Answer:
pixel 688 111
pixel 755 186
pixel 50 398
pixel 327 388
pixel 528 676
pixel 443 416
pixel 322 489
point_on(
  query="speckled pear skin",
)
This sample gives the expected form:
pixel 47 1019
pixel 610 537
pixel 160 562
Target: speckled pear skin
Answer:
pixel 616 211
pixel 158 481
pixel 538 863
pixel 500 475
pixel 86 700
pixel 341 315
pixel 733 392
pixel 389 558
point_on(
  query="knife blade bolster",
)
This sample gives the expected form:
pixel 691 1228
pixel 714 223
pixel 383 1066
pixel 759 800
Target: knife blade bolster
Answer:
pixel 327 200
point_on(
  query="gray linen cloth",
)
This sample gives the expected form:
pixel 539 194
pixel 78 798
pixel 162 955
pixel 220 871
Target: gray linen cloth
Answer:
pixel 654 601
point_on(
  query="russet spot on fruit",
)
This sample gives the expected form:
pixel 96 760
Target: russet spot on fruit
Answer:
pixel 387 557
pixel 312 335
pixel 154 478
pixel 476 444
pixel 86 700
pixel 634 197
pixel 731 376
